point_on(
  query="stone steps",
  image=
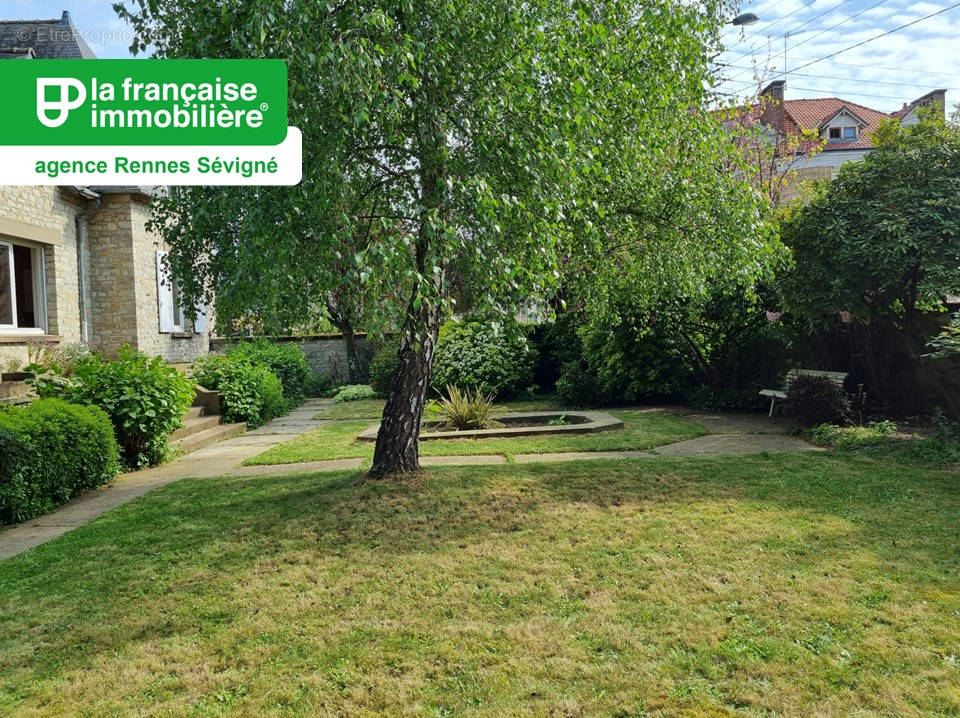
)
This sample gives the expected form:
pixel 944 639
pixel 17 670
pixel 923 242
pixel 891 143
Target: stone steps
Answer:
pixel 201 424
pixel 195 426
pixel 198 440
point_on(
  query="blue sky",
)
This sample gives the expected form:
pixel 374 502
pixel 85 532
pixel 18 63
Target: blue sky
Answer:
pixel 882 74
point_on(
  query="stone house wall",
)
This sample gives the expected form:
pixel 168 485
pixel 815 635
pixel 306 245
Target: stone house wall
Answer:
pixel 120 267
pixel 43 216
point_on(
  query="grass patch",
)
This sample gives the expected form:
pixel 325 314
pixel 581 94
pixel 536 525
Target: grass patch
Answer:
pixel 643 430
pixel 794 584
pixel 886 440
pixel 373 408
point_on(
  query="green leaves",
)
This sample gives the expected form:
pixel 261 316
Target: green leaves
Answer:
pixel 882 239
pixel 143 396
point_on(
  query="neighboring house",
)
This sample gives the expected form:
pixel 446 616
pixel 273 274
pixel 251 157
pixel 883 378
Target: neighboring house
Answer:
pixel 845 127
pixel 77 263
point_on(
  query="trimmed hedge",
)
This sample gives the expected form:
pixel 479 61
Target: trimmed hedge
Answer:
pixel 248 392
pixel 493 357
pixel 50 451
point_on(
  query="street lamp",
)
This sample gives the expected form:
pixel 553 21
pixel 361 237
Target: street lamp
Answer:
pixel 747 18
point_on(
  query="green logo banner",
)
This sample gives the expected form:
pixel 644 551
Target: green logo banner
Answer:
pixel 145 102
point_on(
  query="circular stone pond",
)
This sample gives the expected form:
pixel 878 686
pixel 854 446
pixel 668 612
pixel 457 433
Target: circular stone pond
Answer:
pixel 527 423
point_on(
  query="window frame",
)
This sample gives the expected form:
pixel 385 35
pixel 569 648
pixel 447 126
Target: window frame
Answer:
pixel 853 133
pixel 831 138
pixel 39 280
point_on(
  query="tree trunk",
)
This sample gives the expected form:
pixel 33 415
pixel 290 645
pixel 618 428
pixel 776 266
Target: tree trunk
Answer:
pixel 397 449
pixel 354 369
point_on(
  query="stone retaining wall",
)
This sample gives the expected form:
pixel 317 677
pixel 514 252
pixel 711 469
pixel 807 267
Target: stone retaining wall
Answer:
pixel 326 353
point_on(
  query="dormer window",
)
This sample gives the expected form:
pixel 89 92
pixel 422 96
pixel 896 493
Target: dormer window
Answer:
pixel 842 134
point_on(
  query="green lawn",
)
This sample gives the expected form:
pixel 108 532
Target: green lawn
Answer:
pixel 794 585
pixel 643 430
pixel 373 408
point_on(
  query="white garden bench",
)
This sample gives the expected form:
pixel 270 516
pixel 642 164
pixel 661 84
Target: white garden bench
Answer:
pixel 837 377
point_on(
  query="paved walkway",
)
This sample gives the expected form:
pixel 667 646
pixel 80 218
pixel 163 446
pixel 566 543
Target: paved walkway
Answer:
pixel 731 434
pixel 214 460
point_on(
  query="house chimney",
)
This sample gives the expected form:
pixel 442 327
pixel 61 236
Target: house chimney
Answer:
pixel 771 105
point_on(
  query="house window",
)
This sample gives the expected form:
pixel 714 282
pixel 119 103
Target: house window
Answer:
pixel 178 320
pixel 22 290
pixel 170 303
pixel 834 133
pixel 849 133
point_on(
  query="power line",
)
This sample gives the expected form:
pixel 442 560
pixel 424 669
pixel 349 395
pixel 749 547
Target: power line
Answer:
pixel 856 15
pixel 890 69
pixel 792 31
pixel 833 92
pixel 842 79
pixel 751 48
pixel 877 37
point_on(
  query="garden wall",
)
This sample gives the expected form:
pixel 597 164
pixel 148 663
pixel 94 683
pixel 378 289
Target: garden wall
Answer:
pixel 326 353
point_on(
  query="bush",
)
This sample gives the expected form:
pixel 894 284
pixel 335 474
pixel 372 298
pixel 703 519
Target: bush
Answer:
pixel 354 392
pixel 710 399
pixel 493 357
pixel 285 360
pixel 143 396
pixel 465 410
pixel 50 451
pixel 383 367
pixel 248 392
pixel 578 385
pixel 813 400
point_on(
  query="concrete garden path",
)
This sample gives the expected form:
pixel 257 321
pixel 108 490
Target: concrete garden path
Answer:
pixel 211 461
pixel 730 434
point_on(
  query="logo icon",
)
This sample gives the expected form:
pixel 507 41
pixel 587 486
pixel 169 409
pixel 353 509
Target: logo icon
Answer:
pixel 63 104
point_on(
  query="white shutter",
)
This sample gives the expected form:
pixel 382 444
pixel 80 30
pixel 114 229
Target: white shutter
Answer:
pixel 200 323
pixel 164 295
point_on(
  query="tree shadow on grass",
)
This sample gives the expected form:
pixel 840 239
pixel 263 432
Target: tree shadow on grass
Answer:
pixel 197 535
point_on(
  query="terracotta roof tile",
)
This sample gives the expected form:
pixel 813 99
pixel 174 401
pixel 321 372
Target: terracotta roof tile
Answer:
pixel 811 113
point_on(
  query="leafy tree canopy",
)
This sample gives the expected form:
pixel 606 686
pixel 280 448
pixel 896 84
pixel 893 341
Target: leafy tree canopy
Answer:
pixel 882 240
pixel 451 144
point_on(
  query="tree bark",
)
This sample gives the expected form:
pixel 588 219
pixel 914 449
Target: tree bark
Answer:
pixel 354 370
pixel 397 450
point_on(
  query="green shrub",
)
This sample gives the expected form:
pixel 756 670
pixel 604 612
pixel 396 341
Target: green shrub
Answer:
pixel 144 397
pixel 813 400
pixel 464 410
pixel 248 392
pixel 383 367
pixel 285 360
pixel 354 392
pixel 852 437
pixel 730 399
pixel 319 383
pixel 494 357
pixel 578 385
pixel 50 451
